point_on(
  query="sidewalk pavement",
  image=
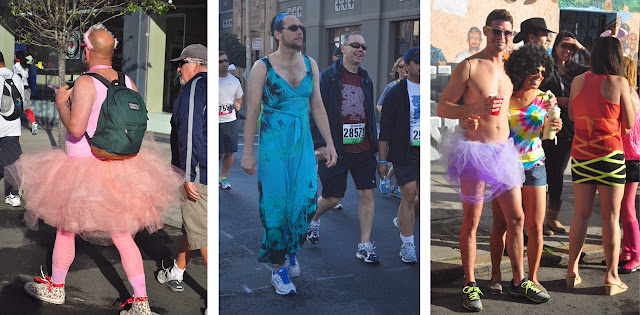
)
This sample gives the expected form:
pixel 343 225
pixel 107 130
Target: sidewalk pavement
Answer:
pixel 446 221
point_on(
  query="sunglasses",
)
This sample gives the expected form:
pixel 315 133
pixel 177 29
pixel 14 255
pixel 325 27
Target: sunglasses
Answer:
pixel 535 71
pixel 293 28
pixel 401 66
pixel 568 47
pixel 357 46
pixel 220 61
pixel 499 32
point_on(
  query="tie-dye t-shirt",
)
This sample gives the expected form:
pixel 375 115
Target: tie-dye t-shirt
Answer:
pixel 525 126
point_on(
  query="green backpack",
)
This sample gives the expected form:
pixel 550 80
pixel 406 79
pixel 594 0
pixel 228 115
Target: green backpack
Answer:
pixel 122 121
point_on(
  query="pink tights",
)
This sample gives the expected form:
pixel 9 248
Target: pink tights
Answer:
pixel 64 252
pixel 630 234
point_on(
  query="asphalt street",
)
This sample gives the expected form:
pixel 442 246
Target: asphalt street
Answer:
pixel 332 279
pixel 96 282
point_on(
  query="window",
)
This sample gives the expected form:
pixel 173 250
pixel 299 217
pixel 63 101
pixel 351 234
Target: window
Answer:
pixel 407 35
pixel 335 38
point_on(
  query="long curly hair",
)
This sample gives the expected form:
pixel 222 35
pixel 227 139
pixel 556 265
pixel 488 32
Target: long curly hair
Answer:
pixel 525 59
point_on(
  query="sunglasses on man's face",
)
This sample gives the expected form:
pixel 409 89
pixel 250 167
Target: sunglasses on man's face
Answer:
pixel 182 62
pixel 499 32
pixel 357 46
pixel 535 71
pixel 293 28
pixel 223 60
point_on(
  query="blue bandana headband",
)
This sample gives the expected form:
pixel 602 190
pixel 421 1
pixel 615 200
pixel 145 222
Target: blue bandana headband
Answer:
pixel 279 18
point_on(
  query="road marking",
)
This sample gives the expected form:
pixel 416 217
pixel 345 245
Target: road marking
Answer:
pixel 226 234
pixel 337 277
pixel 245 248
pixel 396 269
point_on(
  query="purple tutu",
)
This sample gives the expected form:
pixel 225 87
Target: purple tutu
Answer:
pixel 496 165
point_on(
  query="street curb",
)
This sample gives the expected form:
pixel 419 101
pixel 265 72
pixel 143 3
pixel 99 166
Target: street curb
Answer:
pixel 450 270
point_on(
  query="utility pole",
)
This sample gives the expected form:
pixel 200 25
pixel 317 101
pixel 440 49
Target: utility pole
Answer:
pixel 248 28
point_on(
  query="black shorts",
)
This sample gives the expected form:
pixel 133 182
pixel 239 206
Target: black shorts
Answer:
pixel 409 170
pixel 362 166
pixel 229 137
pixel 633 171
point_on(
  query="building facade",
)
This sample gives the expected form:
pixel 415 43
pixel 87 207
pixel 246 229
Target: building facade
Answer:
pixel 389 27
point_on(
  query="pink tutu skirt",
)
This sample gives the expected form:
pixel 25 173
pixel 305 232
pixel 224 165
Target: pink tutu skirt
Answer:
pixel 496 165
pixel 93 197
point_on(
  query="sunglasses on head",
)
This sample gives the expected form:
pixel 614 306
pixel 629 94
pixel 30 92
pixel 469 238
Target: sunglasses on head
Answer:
pixel 293 28
pixel 568 47
pixel 223 60
pixel 538 70
pixel 499 32
pixel 357 46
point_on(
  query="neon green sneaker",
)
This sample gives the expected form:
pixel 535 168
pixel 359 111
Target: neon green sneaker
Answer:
pixel 471 297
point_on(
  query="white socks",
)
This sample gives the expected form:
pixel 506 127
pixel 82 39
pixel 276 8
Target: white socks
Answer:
pixel 314 223
pixel 176 272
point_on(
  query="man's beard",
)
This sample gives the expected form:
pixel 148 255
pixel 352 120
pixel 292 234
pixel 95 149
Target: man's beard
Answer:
pixel 292 44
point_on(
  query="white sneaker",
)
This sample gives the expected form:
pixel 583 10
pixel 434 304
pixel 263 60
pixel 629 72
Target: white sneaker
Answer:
pixel 280 281
pixel 291 262
pixel 338 207
pixel 13 200
pixel 34 128
pixel 408 253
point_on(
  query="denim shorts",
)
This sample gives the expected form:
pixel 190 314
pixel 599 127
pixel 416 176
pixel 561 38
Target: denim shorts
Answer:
pixel 536 176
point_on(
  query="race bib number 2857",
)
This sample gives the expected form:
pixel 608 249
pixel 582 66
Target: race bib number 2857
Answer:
pixel 352 133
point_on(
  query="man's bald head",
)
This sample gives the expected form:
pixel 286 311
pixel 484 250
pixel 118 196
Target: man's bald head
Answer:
pixel 100 41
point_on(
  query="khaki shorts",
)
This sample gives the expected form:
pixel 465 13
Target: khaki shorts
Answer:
pixel 194 219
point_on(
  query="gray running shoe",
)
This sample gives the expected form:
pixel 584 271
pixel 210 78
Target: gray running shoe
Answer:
pixel 529 290
pixel 366 253
pixel 471 297
pixel 164 277
pixel 408 253
pixel 313 234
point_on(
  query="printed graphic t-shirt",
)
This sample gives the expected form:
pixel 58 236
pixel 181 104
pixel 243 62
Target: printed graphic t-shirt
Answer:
pixel 413 90
pixel 229 90
pixel 353 114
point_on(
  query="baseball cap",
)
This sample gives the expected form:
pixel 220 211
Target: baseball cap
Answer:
pixel 337 52
pixel 197 51
pixel 412 54
pixel 232 67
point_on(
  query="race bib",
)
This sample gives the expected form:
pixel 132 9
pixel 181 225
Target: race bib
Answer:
pixel 225 109
pixel 415 136
pixel 352 133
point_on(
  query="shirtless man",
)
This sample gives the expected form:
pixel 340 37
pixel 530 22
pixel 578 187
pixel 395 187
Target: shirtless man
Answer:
pixel 475 158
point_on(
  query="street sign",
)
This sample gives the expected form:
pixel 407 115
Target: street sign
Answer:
pixel 257 44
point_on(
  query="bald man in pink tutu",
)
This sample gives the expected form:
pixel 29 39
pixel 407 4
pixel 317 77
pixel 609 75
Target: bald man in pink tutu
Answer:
pixel 104 201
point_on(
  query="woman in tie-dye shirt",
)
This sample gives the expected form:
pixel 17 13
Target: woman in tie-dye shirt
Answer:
pixel 527 68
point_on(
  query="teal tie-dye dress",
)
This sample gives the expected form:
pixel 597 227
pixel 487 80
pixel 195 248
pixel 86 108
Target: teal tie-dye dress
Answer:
pixel 287 177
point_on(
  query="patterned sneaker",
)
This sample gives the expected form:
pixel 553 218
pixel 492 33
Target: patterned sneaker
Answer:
pixel 365 252
pixel 471 297
pixel 165 277
pixel 385 186
pixel 45 290
pixel 338 207
pixel 529 290
pixel 408 253
pixel 34 128
pixel 224 184
pixel 313 233
pixel 14 201
pixel 396 192
pixel 291 262
pixel 139 306
pixel 280 281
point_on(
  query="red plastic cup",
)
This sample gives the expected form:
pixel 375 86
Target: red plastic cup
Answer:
pixel 496 97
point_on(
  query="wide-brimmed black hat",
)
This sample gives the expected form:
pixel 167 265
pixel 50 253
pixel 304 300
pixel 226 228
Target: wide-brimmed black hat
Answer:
pixel 531 26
